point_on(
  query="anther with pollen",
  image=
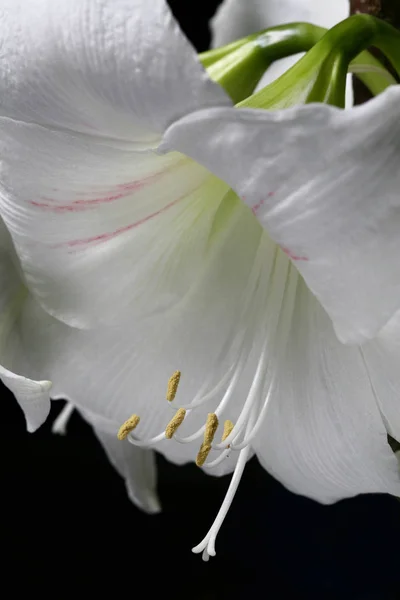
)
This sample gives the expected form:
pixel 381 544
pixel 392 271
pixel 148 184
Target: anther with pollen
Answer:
pixel 228 426
pixel 202 454
pixel 174 423
pixel 173 383
pixel 211 428
pixel 128 426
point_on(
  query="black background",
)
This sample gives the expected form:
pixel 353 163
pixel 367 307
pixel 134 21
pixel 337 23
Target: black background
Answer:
pixel 67 527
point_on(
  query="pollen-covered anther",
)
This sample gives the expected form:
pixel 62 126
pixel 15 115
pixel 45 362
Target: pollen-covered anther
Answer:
pixel 211 428
pixel 128 426
pixel 228 426
pixel 174 423
pixel 202 454
pixel 173 383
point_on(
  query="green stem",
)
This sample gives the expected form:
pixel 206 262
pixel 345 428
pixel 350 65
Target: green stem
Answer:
pixel 276 42
pixel 359 32
pixel 320 75
pixel 239 66
pixel 347 40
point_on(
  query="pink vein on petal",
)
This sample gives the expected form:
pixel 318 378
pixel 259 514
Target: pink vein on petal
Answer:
pixel 261 203
pixel 103 237
pixel 125 190
pixel 293 256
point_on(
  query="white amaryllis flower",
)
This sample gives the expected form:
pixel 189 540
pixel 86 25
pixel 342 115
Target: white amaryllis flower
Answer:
pixel 123 260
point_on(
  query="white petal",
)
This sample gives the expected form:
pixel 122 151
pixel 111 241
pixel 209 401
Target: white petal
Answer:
pixel 99 226
pixel 137 467
pixel 323 435
pixel 382 359
pixel 325 184
pixel 111 372
pixel 33 396
pixel 236 18
pixel 73 201
pixel 115 68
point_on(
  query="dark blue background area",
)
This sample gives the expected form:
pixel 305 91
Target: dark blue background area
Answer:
pixel 67 526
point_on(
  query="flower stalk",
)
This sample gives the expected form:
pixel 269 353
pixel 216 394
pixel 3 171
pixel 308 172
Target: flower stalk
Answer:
pixel 239 66
pixel 320 76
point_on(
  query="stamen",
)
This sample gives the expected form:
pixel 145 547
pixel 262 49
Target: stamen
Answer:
pixel 285 321
pixel 250 401
pixel 146 443
pixel 276 299
pixel 273 290
pixel 251 416
pixel 225 400
pixel 174 423
pixel 129 425
pixel 262 267
pixel 173 383
pixel 210 429
pixel 228 426
pixel 249 437
pixel 202 454
pixel 217 461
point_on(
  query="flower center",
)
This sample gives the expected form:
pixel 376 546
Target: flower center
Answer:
pixel 254 347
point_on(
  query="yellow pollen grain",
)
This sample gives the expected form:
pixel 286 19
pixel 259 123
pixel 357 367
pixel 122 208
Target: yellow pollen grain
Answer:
pixel 173 383
pixel 211 428
pixel 128 426
pixel 174 423
pixel 202 454
pixel 228 426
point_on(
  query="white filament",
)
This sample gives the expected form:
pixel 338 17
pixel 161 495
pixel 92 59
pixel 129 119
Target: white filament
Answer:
pixel 60 424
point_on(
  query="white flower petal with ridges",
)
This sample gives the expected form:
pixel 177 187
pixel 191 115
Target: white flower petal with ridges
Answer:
pixel 323 434
pixel 32 396
pixel 95 224
pixel 85 95
pixel 325 184
pixel 114 68
pixel 237 18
